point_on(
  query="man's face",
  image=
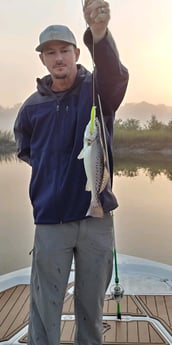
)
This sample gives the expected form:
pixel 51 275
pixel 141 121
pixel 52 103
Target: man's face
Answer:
pixel 60 59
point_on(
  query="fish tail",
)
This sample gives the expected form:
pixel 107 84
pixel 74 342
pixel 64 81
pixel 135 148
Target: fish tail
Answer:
pixel 95 210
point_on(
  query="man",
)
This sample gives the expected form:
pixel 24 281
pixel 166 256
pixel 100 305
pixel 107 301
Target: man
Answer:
pixel 49 132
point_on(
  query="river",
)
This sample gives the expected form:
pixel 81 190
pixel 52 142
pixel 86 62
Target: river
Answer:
pixel 143 222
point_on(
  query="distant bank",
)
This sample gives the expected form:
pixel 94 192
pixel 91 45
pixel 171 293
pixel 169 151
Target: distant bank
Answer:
pixel 141 111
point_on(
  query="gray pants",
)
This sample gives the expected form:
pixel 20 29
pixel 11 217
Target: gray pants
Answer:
pixel 90 243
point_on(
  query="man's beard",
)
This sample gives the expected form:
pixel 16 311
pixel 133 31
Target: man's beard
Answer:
pixel 60 76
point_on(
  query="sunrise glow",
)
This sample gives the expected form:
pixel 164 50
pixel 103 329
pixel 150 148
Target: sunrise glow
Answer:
pixel 142 30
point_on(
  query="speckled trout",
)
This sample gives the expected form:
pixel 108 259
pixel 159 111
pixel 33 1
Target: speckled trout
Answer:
pixel 95 165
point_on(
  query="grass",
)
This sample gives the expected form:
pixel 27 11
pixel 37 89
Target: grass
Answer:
pixel 7 144
pixel 146 139
pixel 129 138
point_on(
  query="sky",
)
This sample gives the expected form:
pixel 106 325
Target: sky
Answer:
pixel 141 28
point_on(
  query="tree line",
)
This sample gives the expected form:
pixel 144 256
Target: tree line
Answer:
pixel 129 134
pixel 152 136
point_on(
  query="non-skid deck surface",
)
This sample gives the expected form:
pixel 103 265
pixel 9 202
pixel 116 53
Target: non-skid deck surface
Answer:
pixel 127 306
pixel 159 307
pixel 14 309
pixel 119 333
pixel 116 333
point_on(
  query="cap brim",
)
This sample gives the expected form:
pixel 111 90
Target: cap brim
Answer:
pixel 40 47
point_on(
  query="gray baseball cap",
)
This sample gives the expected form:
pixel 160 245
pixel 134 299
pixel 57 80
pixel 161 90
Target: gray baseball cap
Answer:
pixel 55 33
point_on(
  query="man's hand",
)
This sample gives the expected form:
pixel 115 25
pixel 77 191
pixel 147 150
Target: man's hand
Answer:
pixel 97 16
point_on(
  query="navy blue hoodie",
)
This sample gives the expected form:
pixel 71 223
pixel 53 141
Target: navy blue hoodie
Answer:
pixel 49 136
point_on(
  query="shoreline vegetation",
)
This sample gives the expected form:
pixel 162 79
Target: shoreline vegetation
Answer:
pixel 7 143
pixel 130 139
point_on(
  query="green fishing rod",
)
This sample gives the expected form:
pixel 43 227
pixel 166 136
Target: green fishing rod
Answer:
pixel 117 291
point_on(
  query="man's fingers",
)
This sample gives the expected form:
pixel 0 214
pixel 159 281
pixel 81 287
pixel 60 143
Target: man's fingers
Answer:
pixel 98 11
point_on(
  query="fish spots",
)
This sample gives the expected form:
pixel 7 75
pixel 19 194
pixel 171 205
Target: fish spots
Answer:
pixel 89 142
pixel 94 157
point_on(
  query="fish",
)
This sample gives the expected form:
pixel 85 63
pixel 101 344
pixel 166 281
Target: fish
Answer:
pixel 94 158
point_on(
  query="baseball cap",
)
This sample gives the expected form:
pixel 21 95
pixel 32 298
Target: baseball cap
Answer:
pixel 55 33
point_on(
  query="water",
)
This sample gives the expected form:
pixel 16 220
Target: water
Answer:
pixel 143 222
pixel 16 224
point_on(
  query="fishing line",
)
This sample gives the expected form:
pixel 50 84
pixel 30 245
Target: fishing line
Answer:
pixel 118 291
pixel 93 66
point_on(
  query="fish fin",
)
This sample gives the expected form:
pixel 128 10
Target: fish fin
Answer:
pixel 95 211
pixel 87 187
pixel 81 154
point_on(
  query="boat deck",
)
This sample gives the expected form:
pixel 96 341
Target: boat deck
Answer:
pixel 146 319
